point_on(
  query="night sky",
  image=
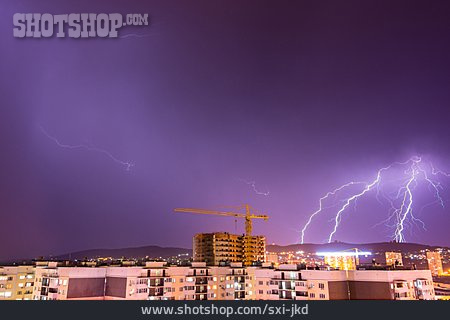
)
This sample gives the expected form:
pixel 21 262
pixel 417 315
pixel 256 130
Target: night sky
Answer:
pixel 298 96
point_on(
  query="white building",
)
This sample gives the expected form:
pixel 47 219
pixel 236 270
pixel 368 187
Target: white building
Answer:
pixel 157 281
pixel 16 282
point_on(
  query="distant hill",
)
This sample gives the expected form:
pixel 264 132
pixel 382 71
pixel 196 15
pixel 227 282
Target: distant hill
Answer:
pixel 338 246
pixel 134 252
pixel 165 252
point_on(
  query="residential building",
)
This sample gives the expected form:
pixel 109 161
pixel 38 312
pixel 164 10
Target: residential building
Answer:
pixel 16 282
pixel 272 257
pixel 435 263
pixel 341 262
pixel 393 258
pixel 159 281
pixel 222 247
pixel 53 282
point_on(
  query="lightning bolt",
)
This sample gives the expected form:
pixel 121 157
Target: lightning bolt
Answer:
pixel 435 185
pixel 319 210
pixel 436 171
pixel 253 185
pixel 402 214
pixel 406 206
pixel 126 164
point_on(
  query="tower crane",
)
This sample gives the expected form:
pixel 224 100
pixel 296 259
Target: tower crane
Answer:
pixel 249 215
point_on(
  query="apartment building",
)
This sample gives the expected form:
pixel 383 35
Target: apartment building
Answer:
pixel 435 263
pixel 133 283
pixel 16 282
pixel 290 283
pixel 158 281
pixel 53 282
pixel 222 247
pixel 272 257
pixel 393 258
pixel 391 285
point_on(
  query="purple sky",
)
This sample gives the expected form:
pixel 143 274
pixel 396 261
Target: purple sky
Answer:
pixel 298 96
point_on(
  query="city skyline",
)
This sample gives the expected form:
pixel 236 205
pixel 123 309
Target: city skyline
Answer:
pixel 212 106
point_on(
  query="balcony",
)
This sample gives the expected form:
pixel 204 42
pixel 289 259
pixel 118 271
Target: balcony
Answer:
pixel 239 295
pixel 201 296
pixel 201 281
pixel 201 290
pixel 285 285
pixel 154 283
pixel 155 292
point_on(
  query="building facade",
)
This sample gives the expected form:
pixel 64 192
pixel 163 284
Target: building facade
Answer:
pixel 158 281
pixel 53 282
pixel 341 262
pixel 393 258
pixel 16 283
pixel 435 263
pixel 222 247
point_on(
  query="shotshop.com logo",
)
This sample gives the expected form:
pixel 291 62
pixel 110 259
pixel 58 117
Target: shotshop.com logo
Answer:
pixel 74 25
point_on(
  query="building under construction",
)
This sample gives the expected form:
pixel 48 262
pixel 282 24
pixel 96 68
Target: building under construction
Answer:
pixel 222 247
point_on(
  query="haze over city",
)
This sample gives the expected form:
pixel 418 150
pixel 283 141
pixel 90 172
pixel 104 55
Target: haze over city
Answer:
pixel 213 105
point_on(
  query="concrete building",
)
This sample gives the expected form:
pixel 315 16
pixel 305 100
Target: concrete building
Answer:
pixel 442 287
pixel 222 247
pixel 16 283
pixel 65 283
pixel 341 262
pixel 391 285
pixel 158 281
pixel 132 283
pixel 393 258
pixel 272 257
pixel 435 263
pixel 289 283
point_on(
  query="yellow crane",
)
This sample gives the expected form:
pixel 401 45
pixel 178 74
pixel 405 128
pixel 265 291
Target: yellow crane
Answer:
pixel 249 215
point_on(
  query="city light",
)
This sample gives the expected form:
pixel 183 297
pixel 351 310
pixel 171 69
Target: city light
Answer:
pixel 343 254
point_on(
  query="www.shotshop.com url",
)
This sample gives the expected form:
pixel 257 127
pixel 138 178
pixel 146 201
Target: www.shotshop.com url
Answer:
pixel 289 310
